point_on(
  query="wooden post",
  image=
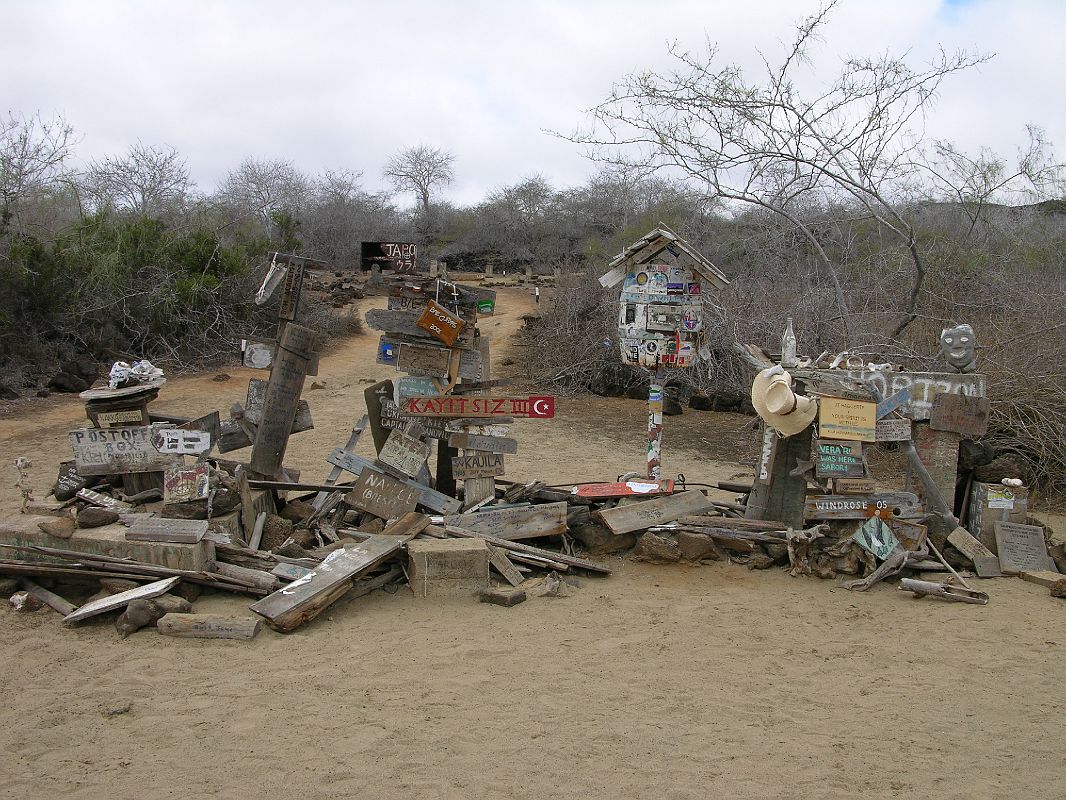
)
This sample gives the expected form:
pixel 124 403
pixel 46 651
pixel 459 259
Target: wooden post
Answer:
pixel 782 497
pixel 295 351
pixel 939 452
pixel 655 423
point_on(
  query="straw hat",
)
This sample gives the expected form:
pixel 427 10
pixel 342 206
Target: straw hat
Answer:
pixel 781 408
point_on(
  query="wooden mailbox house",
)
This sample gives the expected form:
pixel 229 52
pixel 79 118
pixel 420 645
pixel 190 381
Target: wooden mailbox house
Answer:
pixel 659 309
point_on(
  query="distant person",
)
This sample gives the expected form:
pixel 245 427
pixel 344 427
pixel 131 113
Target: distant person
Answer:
pixel 536 293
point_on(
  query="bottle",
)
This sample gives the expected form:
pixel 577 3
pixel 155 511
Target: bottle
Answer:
pixel 788 347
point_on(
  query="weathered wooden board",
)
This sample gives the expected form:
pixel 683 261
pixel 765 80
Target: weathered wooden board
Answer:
pixel 838 459
pixel 121 417
pixel 103 500
pixel 121 600
pixel 427 359
pixel 440 323
pixel 290 292
pixel 400 257
pixel 208 626
pixel 1022 548
pixel 477 465
pixel 894 429
pixel 1049 579
pixel 960 414
pixel 404 453
pixel 923 387
pixel 382 495
pixel 645 513
pixel 407 324
pixel 985 563
pixel 391 419
pixel 635 488
pixel 534 407
pixel 488 444
pixel 766 454
pixel 289 572
pixel 939 452
pixel 117 451
pixel 282 398
pixel 513 524
pixel 183 484
pixel 159 529
pixel 857 506
pixel 253 411
pixel 847 419
pixel 306 598
pixel 50 599
pixel 521 548
pixel 854 486
pixel 502 564
pixel 179 442
pixel 890 404
pixel 428 497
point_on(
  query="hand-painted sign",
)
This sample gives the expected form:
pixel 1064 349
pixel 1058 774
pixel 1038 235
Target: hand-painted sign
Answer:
pixel 887 406
pixel 624 489
pixel 838 459
pixel 381 495
pixel 888 504
pixel 534 407
pixel 847 419
pixel 440 323
pixel 117 451
pixel 121 417
pixel 960 414
pixel 404 453
pixel 181 485
pixel 181 442
pixel 477 465
pixel 398 256
pixel 895 429
pixel 923 387
pixel 391 418
pixel 875 537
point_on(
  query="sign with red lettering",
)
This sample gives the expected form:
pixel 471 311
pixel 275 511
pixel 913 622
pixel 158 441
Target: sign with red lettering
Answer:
pixel 536 407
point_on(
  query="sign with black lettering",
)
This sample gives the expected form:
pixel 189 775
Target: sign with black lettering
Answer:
pixel 477 465
pixel 381 495
pixel 118 451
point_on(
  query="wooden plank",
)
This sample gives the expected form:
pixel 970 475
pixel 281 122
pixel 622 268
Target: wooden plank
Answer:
pixel 289 572
pixel 158 529
pixel 854 486
pixel 984 561
pixel 410 524
pixel 406 323
pixel 376 396
pixel 847 419
pixel 640 515
pixel 938 451
pixel 121 600
pixel 440 323
pixel 208 626
pixel 532 407
pixel 382 495
pixel 180 442
pixel 487 444
pixel 404 453
pixel 336 472
pixel 428 497
pixel 502 564
pixel 1022 548
pixel 888 405
pixel 50 599
pixel 858 506
pixel 522 548
pixel 103 500
pixel 306 598
pixel 477 465
pixel 117 451
pixel 392 419
pixel 960 414
pixel 896 429
pixel 120 417
pixel 922 386
pixel 282 397
pixel 256 397
pixel 290 292
pixel 512 524
pixel 253 577
pixel 781 498
pixel 1047 578
pixel 838 459
pixel 634 488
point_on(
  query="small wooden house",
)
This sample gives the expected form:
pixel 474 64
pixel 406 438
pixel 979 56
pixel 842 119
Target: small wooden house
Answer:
pixel 659 309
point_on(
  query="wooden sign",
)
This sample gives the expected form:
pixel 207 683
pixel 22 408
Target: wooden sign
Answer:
pixel 922 386
pixel 400 257
pixel 103 500
pixel 854 486
pixel 985 562
pixel 512 524
pixel 766 454
pixel 381 495
pixel 893 430
pixel 838 459
pixel 182 485
pixel 477 465
pixel 645 513
pixel 256 354
pixel 875 537
pixel 890 404
pixel 440 323
pixel 1022 548
pixel 290 293
pixel 534 407
pixel 961 414
pixel 429 497
pixel 158 529
pixel 638 488
pixel 404 453
pixel 176 441
pixel 887 504
pixel 428 359
pixel 488 444
pixel 282 398
pixel 117 451
pixel 208 626
pixel 391 419
pixel 410 324
pixel 847 419
pixel 121 417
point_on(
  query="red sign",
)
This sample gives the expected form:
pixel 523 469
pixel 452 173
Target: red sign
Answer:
pixel 627 489
pixel 540 407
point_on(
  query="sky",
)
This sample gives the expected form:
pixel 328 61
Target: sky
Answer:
pixel 332 85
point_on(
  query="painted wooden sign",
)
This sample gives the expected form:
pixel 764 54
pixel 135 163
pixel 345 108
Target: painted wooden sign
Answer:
pixel 184 484
pixel 890 404
pixel 847 419
pixel 1022 548
pixel 894 429
pixel 766 454
pixel 477 465
pixel 157 529
pixel 624 489
pixel 488 444
pixel 103 500
pixel 838 459
pixel 409 323
pixel 381 495
pixel 645 513
pixel 856 506
pixel 440 323
pixel 876 537
pixel 429 497
pixel 922 386
pixel 533 407
pixel 391 419
pixel 176 441
pixel 282 398
pixel 404 453
pixel 428 359
pixel 401 257
pixel 117 451
pixel 512 524
pixel 253 408
pixel 854 486
pixel 121 417
pixel 961 414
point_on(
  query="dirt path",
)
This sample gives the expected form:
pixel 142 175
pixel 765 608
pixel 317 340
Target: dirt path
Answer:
pixel 658 682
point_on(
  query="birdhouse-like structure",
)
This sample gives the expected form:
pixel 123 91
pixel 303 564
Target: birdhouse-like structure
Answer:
pixel 660 314
pixel 659 309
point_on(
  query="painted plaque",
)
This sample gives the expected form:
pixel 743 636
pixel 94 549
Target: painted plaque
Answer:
pixel 391 419
pixel 440 323
pixel 875 537
pixel 176 441
pixel 890 404
pixel 120 417
pixel 1022 548
pixel 117 451
pixel 398 256
pixel 181 484
pixel 893 429
pixel 847 419
pixel 960 413
pixel 381 495
pixel 838 459
pixel 857 506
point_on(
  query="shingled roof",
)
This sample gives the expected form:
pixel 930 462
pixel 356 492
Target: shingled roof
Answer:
pixel 651 245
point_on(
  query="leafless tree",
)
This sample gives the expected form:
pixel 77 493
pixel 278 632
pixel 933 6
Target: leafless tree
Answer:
pixel 420 170
pixel 768 144
pixel 33 154
pixel 265 187
pixel 147 180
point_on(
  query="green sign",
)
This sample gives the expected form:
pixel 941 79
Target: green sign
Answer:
pixel 486 306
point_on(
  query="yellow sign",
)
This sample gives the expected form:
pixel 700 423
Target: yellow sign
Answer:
pixel 847 419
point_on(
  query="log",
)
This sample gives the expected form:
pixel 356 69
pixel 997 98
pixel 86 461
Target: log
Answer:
pixel 254 577
pixel 945 591
pixel 50 599
pixel 208 626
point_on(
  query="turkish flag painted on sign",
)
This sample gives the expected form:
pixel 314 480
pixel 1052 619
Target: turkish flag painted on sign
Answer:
pixel 542 407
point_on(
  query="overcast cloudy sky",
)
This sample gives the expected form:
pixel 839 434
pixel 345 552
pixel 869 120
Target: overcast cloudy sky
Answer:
pixel 345 84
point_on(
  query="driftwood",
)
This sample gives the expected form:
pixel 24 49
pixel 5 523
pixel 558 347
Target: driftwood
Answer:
pixel 208 626
pixel 945 591
pixel 521 549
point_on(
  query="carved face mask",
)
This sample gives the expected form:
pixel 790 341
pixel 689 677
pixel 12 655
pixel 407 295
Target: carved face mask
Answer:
pixel 958 346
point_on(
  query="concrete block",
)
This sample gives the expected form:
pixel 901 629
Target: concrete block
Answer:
pixel 448 567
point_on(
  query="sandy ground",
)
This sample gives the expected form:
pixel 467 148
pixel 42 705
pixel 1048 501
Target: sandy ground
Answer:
pixel 657 682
